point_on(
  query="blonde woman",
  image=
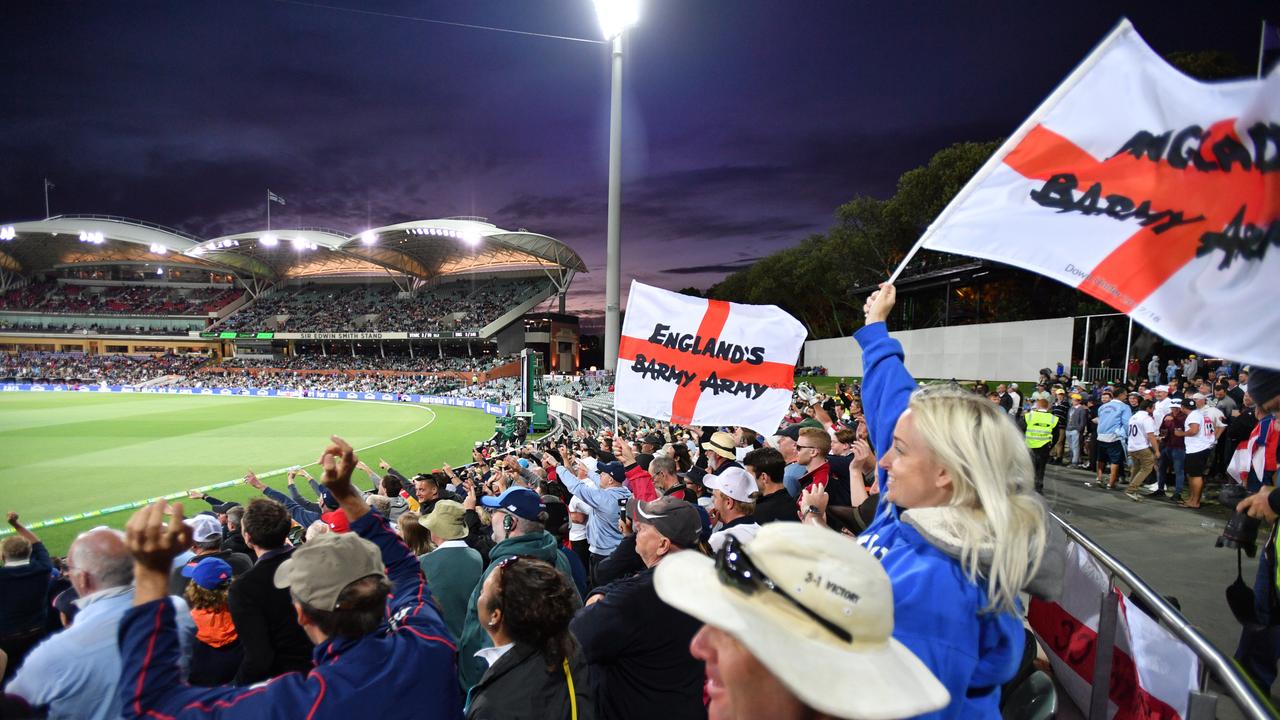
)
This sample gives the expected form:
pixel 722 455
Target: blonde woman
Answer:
pixel 960 531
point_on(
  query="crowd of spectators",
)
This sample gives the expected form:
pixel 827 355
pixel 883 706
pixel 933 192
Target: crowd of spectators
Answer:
pixel 82 368
pixel 661 571
pixel 425 362
pixel 59 298
pixel 453 306
pixel 92 328
pixel 652 571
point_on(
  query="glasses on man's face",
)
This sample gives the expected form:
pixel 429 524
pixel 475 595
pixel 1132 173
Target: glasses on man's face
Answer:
pixel 805 447
pixel 735 569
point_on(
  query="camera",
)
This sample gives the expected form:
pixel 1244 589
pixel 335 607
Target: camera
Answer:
pixel 1241 531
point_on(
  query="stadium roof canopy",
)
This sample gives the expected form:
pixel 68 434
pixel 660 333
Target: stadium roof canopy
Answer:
pixel 422 249
pixel 29 247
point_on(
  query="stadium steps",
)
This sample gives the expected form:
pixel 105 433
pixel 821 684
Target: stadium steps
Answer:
pixel 516 312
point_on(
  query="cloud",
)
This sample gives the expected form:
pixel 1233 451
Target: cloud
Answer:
pixel 725 268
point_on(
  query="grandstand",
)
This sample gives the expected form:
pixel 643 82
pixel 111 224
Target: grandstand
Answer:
pixel 442 295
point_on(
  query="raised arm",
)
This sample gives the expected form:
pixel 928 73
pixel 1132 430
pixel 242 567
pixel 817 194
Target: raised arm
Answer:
pixel 886 384
pixel 22 530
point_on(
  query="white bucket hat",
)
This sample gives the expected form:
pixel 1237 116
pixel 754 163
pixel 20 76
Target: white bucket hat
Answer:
pixel 813 607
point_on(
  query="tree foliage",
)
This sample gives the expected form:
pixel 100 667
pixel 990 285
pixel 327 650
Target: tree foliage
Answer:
pixel 814 280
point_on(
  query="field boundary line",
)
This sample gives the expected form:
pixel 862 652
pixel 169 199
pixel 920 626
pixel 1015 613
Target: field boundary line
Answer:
pixel 52 522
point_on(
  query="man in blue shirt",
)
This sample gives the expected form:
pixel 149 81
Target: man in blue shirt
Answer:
pixel 77 671
pixel 1113 427
pixel 605 492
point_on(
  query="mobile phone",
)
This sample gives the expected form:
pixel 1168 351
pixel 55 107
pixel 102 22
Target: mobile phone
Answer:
pixel 622 505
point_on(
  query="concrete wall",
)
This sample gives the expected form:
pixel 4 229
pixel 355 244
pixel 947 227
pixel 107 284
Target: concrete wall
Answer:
pixel 993 351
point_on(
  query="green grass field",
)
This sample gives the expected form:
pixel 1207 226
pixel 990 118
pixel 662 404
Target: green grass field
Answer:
pixel 75 452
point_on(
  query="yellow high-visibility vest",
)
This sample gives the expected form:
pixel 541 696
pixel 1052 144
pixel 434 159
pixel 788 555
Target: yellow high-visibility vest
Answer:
pixel 1040 425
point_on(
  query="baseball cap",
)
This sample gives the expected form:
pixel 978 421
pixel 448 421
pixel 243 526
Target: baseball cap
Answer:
pixel 721 443
pixel 654 439
pixel 519 501
pixel 320 570
pixel 210 573
pixel 790 431
pixel 677 520
pixel 1040 395
pixel 1162 388
pixel 777 621
pixel 695 473
pixel 204 528
pixel 734 482
pixel 615 470
pixel 222 508
pixel 336 520
pixel 327 499
pixel 1199 396
pixel 810 422
pixel 446 520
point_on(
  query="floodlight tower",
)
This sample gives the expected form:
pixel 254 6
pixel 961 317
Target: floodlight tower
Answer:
pixel 616 17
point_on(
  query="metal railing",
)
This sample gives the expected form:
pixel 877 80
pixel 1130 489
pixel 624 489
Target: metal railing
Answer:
pixel 1203 702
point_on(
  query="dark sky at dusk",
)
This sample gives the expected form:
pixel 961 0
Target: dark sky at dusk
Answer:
pixel 746 122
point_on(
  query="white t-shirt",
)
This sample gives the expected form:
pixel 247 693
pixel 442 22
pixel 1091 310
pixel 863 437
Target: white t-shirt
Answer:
pixel 1139 425
pixel 578 531
pixel 1161 409
pixel 1204 439
pixel 1216 416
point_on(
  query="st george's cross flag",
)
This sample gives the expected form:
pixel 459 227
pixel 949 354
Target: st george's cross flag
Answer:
pixel 1153 192
pixel 1152 671
pixel 693 361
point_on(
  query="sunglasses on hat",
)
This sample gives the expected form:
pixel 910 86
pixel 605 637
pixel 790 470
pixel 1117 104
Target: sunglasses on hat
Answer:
pixel 735 569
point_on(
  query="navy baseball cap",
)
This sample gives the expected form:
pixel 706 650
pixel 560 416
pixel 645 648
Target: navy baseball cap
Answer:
pixel 327 499
pixel 210 573
pixel 519 501
pixel 615 469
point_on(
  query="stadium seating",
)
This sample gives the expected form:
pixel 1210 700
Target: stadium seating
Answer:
pixel 344 308
pixel 54 298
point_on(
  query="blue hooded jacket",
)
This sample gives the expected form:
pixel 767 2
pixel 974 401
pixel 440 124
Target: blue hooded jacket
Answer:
pixel 356 678
pixel 938 613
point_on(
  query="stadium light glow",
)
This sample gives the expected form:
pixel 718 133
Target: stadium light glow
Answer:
pixel 159 271
pixel 617 16
pixel 159 249
pixel 471 237
pixel 8 232
pixel 368 237
pixel 93 238
pixel 269 240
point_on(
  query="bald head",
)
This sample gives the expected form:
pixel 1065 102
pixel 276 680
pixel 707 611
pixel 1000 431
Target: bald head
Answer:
pixel 100 560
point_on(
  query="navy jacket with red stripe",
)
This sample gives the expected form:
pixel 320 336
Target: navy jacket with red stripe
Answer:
pixel 352 678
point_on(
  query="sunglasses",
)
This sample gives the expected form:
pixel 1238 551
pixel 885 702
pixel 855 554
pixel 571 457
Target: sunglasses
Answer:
pixel 735 569
pixel 805 447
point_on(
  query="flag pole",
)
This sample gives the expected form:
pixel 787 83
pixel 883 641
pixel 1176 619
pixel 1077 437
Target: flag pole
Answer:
pixel 997 158
pixel 1262 45
pixel 46 197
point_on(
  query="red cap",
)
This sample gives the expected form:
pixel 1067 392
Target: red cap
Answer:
pixel 337 521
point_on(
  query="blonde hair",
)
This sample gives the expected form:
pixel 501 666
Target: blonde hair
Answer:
pixel 991 479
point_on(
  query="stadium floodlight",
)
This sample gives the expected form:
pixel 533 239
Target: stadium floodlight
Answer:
pixel 299 243
pixel 617 16
pixel 269 240
pixel 159 271
pixel 8 232
pixel 368 237
pixel 159 249
pixel 471 237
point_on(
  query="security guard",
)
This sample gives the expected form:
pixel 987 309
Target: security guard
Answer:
pixel 1042 432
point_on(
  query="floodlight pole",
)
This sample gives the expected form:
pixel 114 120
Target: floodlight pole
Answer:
pixel 613 261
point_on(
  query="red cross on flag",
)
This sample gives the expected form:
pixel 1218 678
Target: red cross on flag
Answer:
pixel 1153 192
pixel 693 361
